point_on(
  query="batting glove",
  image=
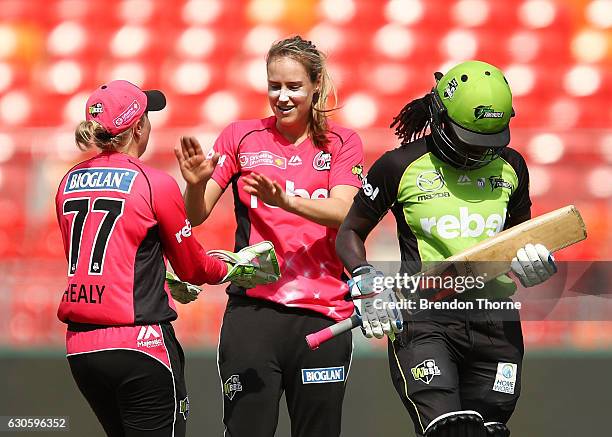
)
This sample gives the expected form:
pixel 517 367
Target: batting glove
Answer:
pixel 376 305
pixel 533 264
pixel 182 292
pixel 252 266
pixel 366 281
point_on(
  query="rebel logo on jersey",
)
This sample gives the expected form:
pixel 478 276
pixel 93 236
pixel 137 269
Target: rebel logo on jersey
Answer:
pixel 368 189
pixel 467 225
pixel 319 193
pixel 185 232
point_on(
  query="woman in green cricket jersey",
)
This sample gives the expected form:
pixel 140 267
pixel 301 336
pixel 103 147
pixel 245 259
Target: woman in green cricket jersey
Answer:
pixel 452 183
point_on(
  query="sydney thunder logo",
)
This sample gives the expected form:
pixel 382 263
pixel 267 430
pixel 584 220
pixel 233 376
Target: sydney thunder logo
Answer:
pixel 487 111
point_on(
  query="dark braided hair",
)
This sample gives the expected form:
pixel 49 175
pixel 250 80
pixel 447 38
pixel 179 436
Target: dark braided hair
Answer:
pixel 413 120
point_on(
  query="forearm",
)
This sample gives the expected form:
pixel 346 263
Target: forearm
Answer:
pixel 350 248
pixel 195 204
pixel 328 212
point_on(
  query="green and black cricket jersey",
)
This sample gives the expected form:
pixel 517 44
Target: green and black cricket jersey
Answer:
pixel 441 210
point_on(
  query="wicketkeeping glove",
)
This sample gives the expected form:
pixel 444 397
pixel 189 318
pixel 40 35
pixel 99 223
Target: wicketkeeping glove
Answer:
pixel 181 291
pixel 533 264
pixel 376 305
pixel 254 265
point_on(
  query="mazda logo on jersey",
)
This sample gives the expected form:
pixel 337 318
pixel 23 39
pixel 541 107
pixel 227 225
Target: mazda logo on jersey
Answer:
pixel 322 161
pixel 430 181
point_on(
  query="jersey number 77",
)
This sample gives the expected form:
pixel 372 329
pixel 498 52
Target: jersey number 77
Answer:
pixel 79 207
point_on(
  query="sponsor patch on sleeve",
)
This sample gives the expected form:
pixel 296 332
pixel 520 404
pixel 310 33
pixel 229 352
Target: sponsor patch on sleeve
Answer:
pixel 100 179
pixel 323 375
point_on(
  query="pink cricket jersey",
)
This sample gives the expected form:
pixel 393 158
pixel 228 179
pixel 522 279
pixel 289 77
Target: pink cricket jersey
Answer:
pixel 311 271
pixel 119 220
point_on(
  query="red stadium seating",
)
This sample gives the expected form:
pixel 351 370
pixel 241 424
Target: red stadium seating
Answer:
pixel 360 64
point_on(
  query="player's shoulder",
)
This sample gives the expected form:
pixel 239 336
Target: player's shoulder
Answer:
pixel 512 157
pixel 340 136
pixel 509 152
pixel 405 154
pixel 340 132
pixel 154 176
pixel 242 128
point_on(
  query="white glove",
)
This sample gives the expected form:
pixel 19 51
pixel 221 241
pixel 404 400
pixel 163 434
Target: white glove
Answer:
pixel 254 265
pixel 533 264
pixel 378 309
pixel 181 291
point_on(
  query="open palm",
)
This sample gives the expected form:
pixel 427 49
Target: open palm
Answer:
pixel 269 191
pixel 195 168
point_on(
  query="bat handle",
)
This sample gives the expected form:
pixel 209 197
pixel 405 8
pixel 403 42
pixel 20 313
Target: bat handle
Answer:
pixel 316 339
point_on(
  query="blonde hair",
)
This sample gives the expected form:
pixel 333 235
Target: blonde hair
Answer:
pixel 313 61
pixel 90 134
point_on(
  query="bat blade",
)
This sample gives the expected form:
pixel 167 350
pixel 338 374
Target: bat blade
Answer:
pixel 491 258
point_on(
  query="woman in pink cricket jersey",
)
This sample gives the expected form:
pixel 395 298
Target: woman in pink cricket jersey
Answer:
pixel 120 219
pixel 293 176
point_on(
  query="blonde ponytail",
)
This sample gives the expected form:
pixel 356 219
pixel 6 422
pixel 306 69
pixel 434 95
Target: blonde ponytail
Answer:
pixel 90 134
pixel 318 127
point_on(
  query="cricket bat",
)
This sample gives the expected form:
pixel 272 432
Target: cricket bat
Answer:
pixel 488 259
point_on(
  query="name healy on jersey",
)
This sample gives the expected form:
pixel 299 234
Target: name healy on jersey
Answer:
pixel 81 293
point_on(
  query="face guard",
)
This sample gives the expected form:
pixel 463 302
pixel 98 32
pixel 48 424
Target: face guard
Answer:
pixel 451 149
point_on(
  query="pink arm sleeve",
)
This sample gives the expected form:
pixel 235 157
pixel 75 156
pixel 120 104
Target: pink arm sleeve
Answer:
pixel 228 161
pixel 187 256
pixel 349 155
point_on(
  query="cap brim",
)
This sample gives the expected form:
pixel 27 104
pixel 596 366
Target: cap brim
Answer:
pixel 498 139
pixel 156 101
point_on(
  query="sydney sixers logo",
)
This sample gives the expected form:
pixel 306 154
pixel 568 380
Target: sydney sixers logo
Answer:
pixel 322 161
